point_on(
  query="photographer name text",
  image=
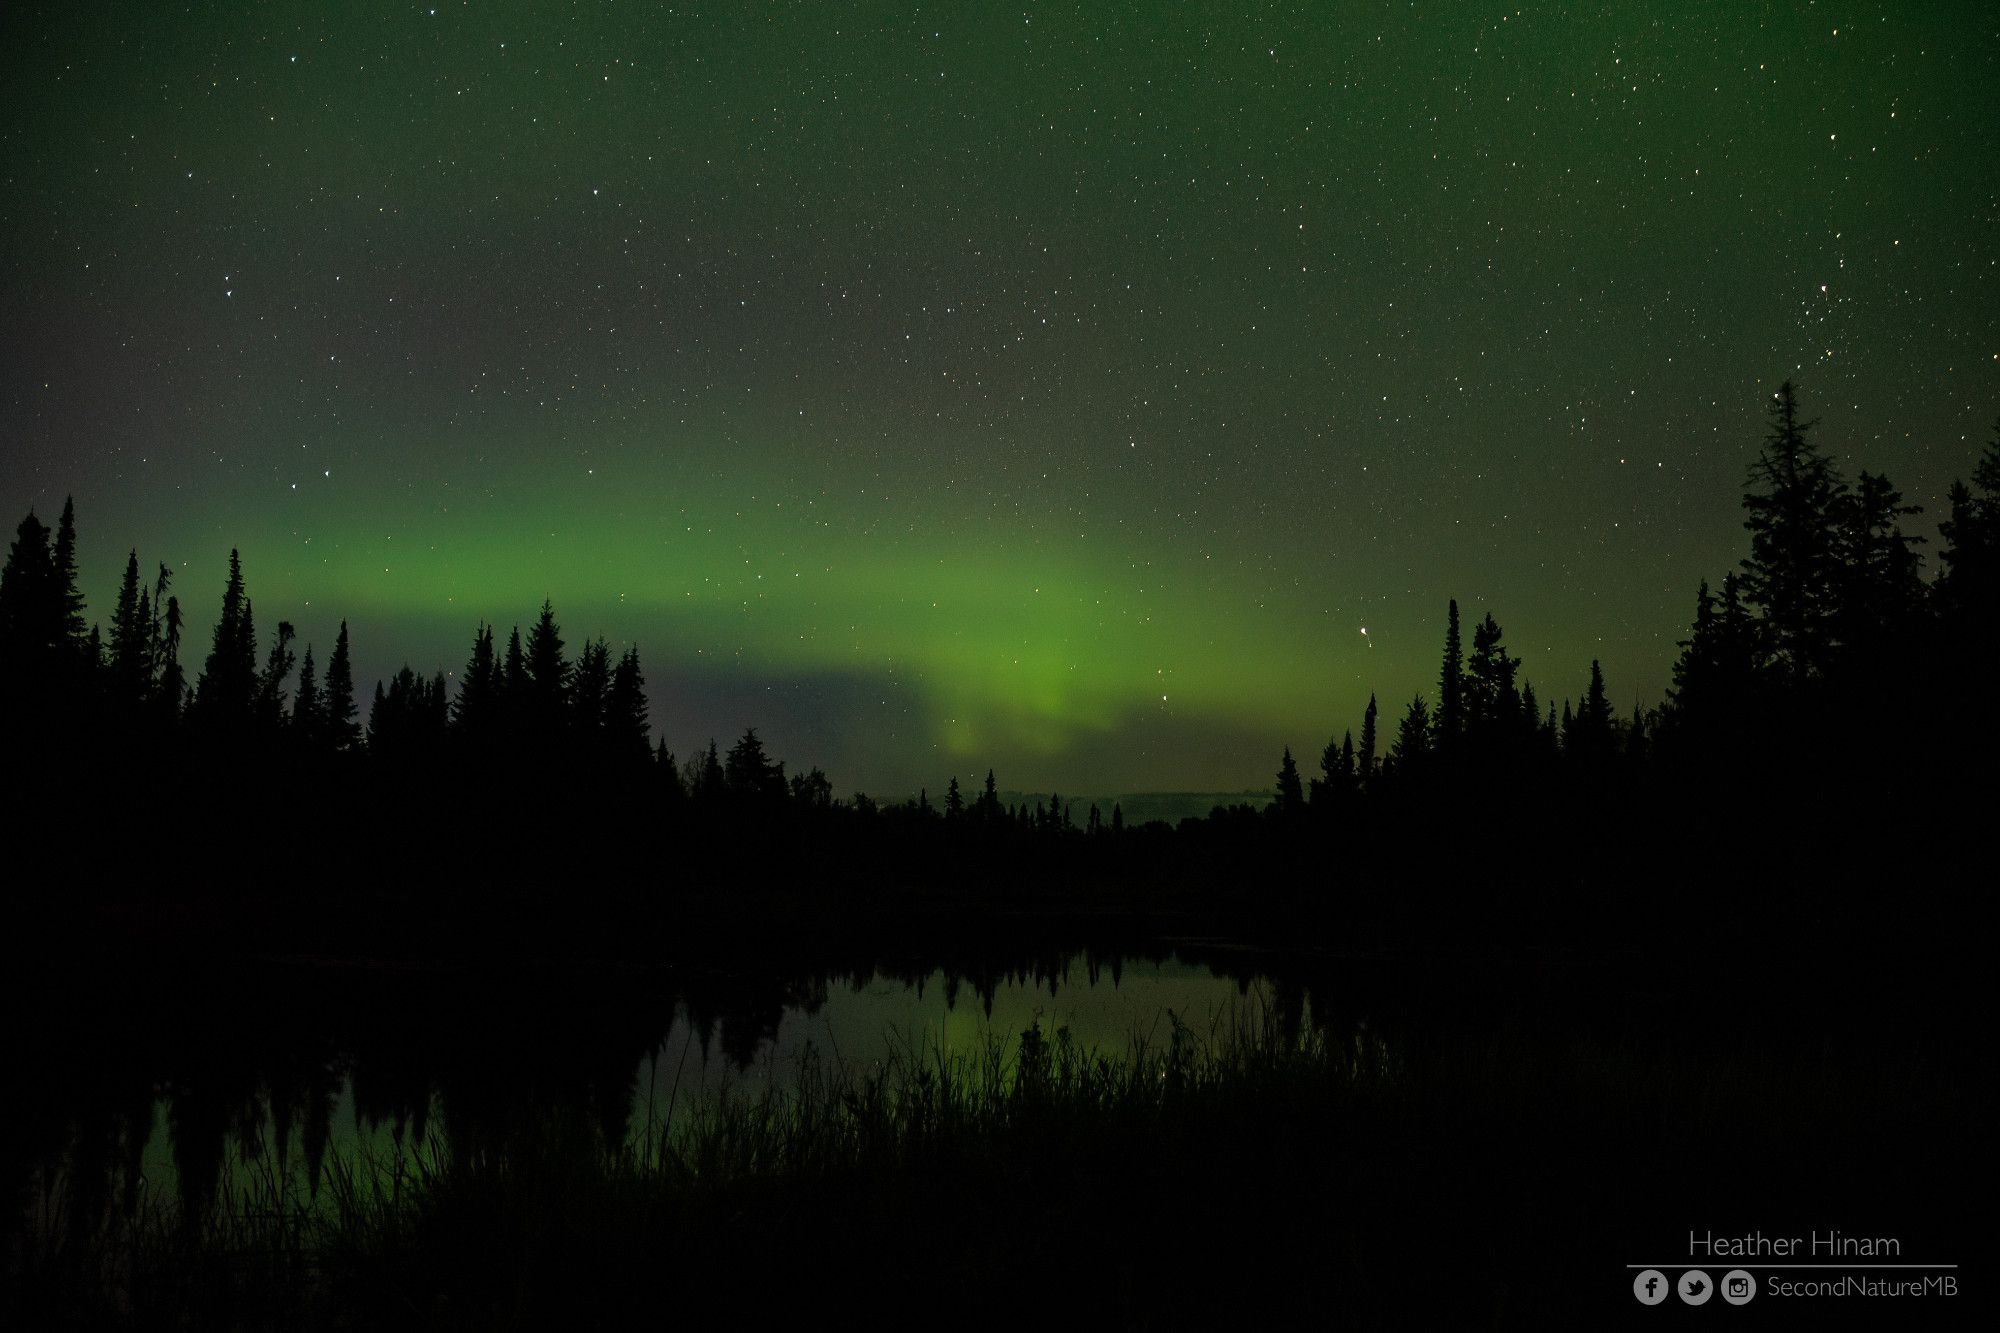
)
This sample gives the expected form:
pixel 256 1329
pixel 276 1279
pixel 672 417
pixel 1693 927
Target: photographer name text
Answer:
pixel 1812 1245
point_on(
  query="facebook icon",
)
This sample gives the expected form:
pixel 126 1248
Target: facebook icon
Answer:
pixel 1650 1287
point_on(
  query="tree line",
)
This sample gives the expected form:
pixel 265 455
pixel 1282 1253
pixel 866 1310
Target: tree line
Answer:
pixel 1831 601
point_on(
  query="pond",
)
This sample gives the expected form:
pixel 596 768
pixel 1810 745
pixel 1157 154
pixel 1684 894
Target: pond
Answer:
pixel 258 1084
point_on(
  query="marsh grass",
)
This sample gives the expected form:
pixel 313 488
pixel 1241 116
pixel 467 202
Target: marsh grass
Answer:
pixel 1208 1162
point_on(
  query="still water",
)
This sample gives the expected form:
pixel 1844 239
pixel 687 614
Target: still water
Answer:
pixel 259 1087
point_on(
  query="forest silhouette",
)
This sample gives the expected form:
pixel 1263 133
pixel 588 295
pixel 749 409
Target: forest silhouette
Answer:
pixel 1819 684
pixel 1534 965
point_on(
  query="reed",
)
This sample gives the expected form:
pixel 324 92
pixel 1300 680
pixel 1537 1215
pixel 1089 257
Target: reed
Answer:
pixel 1203 1153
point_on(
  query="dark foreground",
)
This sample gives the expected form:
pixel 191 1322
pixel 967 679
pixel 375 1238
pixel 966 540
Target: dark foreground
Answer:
pixel 1480 1137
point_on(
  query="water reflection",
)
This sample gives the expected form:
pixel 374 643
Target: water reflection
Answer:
pixel 261 1084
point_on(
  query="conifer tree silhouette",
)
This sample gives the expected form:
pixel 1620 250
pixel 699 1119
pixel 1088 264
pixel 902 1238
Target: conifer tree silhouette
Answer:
pixel 1290 798
pixel 1969 579
pixel 226 690
pixel 1413 739
pixel 475 713
pixel 514 674
pixel 1638 741
pixel 1696 668
pixel 131 640
pixel 1792 573
pixel 589 694
pixel 70 602
pixel 1336 766
pixel 667 773
pixel 710 781
pixel 170 689
pixel 1366 771
pixel 748 774
pixel 341 731
pixel 1589 737
pixel 307 721
pixel 626 721
pixel 1450 724
pixel 547 684
pixel 1882 587
pixel 271 683
pixel 31 622
pixel 1492 703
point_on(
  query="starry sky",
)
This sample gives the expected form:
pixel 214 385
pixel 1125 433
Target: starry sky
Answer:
pixel 1055 388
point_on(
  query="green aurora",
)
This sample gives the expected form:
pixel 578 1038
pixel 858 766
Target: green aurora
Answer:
pixel 1056 389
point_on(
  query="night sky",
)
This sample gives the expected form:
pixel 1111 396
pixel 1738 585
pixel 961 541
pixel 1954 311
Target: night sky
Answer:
pixel 1061 389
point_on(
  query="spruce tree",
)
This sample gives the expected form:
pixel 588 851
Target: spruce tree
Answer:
pixel 1593 718
pixel 1325 788
pixel 341 731
pixel 548 673
pixel 226 691
pixel 668 773
pixel 307 722
pixel 1451 687
pixel 69 597
pixel 475 712
pixel 590 691
pixel 271 684
pixel 1882 586
pixel 542 703
pixel 626 720
pixel 1492 704
pixel 31 622
pixel 436 713
pixel 170 687
pixel 748 773
pixel 1792 573
pixel 131 639
pixel 1367 768
pixel 514 674
pixel 710 780
pixel 954 802
pixel 1696 669
pixel 1969 577
pixel 1291 797
pixel 1414 738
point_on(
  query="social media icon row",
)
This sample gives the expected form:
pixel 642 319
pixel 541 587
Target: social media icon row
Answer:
pixel 1694 1287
